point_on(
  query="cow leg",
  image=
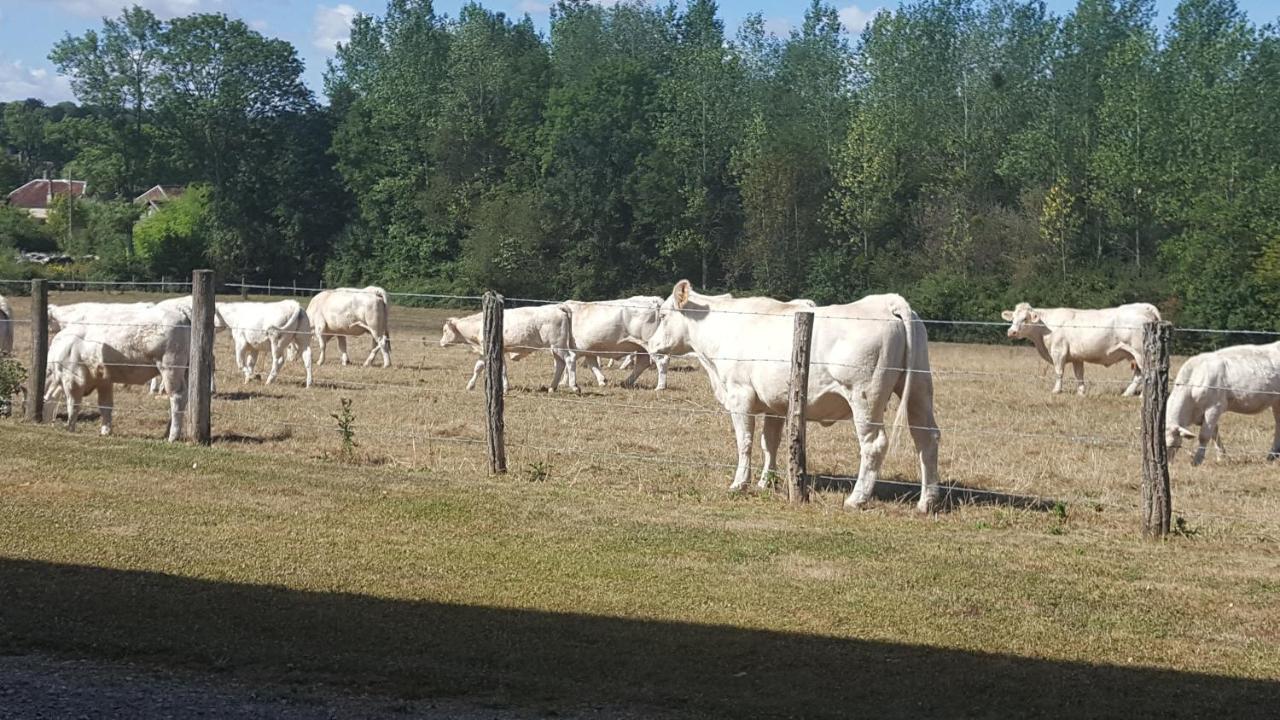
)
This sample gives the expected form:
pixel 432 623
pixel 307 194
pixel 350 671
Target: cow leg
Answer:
pixel 1208 431
pixel 571 369
pixel 73 404
pixel 661 361
pixel 1078 367
pixel 1059 365
pixel 770 438
pixel 342 348
pixel 593 364
pixel 744 427
pixel 306 362
pixel 323 342
pixel 873 444
pixel 106 402
pixel 642 363
pixel 242 359
pixel 1138 362
pixel 276 361
pixel 177 406
pixel 627 361
pixel 373 352
pixel 471 385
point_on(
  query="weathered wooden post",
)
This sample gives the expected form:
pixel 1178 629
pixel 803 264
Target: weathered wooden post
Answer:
pixel 244 288
pixel 801 344
pixel 39 350
pixel 493 385
pixel 196 420
pixel 1156 501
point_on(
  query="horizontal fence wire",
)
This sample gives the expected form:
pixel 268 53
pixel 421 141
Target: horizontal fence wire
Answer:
pixel 531 398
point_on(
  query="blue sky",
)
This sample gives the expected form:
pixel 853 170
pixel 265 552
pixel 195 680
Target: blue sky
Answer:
pixel 29 28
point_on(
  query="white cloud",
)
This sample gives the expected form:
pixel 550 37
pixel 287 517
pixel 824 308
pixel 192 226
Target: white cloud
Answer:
pixel 331 25
pixel 779 26
pixel 533 7
pixel 19 82
pixel 855 19
pixel 164 9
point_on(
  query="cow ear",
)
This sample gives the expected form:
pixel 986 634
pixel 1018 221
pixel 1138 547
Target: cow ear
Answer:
pixel 1007 315
pixel 681 293
pixel 1186 434
pixel 451 323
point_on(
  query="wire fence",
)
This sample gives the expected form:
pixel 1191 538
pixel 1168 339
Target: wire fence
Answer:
pixel 1002 430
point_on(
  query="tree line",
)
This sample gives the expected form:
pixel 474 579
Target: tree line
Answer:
pixel 965 154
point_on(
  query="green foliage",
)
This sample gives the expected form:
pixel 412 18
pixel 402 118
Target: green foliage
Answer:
pixel 176 239
pixel 18 230
pixel 12 377
pixel 346 419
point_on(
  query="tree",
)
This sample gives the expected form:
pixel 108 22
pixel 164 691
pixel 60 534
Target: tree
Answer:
pixel 116 71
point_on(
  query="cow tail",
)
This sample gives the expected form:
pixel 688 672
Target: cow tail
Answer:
pixel 915 365
pixel 295 321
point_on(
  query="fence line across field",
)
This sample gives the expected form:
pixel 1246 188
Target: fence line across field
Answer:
pixel 1156 386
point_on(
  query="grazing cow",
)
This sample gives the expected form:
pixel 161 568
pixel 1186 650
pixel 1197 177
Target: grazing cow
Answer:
pixel 1102 337
pixel 614 327
pixel 1241 379
pixel 138 345
pixel 6 327
pixel 351 312
pixel 524 330
pixel 863 353
pixel 282 327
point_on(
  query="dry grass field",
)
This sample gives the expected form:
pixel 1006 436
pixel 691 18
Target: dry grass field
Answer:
pixel 610 566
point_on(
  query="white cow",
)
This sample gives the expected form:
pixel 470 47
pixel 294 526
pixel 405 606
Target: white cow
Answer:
pixel 351 312
pixel 6 327
pixel 1101 337
pixel 1242 379
pixel 616 327
pixel 138 345
pixel 863 353
pixel 524 330
pixel 281 327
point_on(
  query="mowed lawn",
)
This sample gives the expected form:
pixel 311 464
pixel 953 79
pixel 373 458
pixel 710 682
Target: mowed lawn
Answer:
pixel 610 567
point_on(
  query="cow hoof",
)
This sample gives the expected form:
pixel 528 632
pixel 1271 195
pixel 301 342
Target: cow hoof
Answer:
pixel 927 505
pixel 855 503
pixel 738 488
pixel 105 431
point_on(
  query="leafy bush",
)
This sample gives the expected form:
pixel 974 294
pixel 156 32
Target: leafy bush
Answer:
pixel 12 376
pixel 19 230
pixel 175 240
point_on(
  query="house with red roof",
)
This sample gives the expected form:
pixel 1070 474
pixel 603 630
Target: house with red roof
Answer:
pixel 36 197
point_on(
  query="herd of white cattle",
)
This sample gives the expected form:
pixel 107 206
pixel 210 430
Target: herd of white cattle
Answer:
pixel 863 354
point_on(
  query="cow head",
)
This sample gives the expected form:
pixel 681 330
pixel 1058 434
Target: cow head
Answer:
pixel 450 335
pixel 672 334
pixel 1174 434
pixel 1022 319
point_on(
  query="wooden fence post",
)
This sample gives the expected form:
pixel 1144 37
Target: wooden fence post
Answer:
pixel 493 385
pixel 801 344
pixel 1156 501
pixel 244 288
pixel 200 367
pixel 39 350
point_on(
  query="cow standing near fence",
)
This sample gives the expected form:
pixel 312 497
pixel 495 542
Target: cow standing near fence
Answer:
pixel 863 353
pixel 351 312
pixel 524 330
pixel 1241 379
pixel 282 328
pixel 139 343
pixel 1065 336
pixel 617 327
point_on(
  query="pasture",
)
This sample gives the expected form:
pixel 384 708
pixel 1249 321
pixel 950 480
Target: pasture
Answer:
pixel 611 567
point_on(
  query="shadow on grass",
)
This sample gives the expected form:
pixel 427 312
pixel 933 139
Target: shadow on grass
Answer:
pixel 238 439
pixel 952 495
pixel 553 660
pixel 240 395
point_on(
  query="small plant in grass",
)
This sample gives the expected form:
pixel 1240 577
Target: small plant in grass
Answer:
pixel 12 376
pixel 1180 527
pixel 346 429
pixel 1059 512
pixel 538 471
